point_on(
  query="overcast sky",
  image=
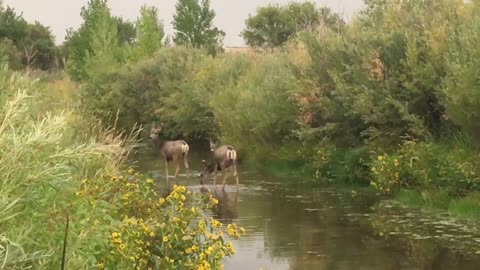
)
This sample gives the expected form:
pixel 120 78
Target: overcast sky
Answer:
pixel 63 14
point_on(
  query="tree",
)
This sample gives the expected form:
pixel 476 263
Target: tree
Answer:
pixel 127 33
pixel 98 35
pixel 103 45
pixel 273 25
pixel 193 23
pixel 150 31
pixel 270 28
pixel 40 41
pixel 33 44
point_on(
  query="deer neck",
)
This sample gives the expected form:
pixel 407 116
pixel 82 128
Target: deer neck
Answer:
pixel 159 143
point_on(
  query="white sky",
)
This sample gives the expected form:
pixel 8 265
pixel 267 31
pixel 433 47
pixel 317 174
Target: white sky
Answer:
pixel 60 15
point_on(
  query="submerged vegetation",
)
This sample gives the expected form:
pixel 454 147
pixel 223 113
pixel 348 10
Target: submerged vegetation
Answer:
pixel 389 100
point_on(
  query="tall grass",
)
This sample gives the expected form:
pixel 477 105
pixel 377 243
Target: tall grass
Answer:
pixel 43 156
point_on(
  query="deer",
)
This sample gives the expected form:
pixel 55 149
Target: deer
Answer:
pixel 223 158
pixel 170 151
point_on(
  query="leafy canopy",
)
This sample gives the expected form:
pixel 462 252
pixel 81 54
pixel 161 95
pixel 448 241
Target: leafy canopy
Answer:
pixel 193 24
pixel 274 25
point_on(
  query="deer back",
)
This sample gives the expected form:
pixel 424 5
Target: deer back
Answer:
pixel 225 153
pixel 174 149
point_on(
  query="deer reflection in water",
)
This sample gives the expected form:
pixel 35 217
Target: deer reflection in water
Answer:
pixel 227 208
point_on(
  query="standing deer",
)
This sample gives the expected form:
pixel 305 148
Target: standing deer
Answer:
pixel 224 157
pixel 171 151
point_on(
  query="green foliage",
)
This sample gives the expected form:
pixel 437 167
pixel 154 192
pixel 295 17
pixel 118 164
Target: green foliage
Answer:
pixel 150 31
pixel 467 207
pixel 273 25
pixel 147 231
pixel 153 90
pixel 26 45
pixel 428 166
pixel 10 55
pixel 94 47
pixel 126 31
pixel 42 158
pixel 461 94
pixel 343 166
pixel 193 24
pixel 254 113
pixel 51 170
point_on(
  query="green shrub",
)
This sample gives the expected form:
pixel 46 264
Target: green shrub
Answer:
pixel 126 224
pixel 461 94
pixel 255 113
pixel 349 166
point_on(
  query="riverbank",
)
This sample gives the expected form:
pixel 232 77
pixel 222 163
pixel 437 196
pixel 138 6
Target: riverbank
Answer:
pixel 292 221
pixel 435 175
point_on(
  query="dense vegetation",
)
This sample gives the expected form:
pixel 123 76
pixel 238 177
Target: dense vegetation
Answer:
pixel 65 176
pixel 390 100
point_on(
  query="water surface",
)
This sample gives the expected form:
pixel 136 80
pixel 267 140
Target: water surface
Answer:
pixel 297 226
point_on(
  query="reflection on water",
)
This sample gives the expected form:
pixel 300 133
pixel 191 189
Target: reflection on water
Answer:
pixel 293 227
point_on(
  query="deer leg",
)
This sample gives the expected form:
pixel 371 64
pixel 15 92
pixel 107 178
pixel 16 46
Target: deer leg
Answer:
pixel 235 172
pixel 166 170
pixel 224 176
pixel 187 168
pixel 177 169
pixel 215 175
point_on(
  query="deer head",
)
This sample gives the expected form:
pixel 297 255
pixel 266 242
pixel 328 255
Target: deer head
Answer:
pixel 207 170
pixel 155 132
pixel 213 145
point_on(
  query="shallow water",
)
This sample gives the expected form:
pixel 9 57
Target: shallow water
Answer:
pixel 294 226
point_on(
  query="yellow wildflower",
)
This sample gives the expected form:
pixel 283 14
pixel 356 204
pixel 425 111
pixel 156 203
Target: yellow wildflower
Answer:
pixel 165 239
pixel 229 247
pixel 188 250
pixel 395 162
pixel 214 201
pixel 161 201
pixel 380 158
pixel 152 234
pixel 100 266
pixel 149 181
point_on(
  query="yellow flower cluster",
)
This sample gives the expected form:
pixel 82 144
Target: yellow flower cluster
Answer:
pixel 233 232
pixel 386 174
pixel 150 232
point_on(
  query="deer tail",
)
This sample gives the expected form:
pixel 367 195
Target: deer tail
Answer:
pixel 231 154
pixel 185 148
